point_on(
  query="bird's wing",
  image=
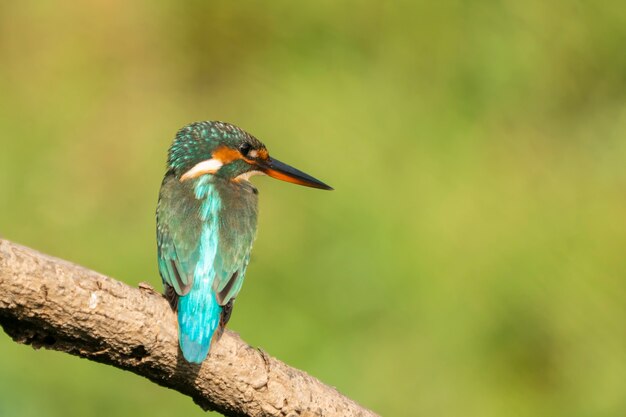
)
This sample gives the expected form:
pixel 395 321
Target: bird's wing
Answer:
pixel 237 232
pixel 191 244
pixel 176 268
pixel 178 237
pixel 178 260
pixel 231 262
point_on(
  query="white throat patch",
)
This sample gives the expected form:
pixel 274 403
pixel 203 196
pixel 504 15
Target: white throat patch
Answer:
pixel 246 175
pixel 210 166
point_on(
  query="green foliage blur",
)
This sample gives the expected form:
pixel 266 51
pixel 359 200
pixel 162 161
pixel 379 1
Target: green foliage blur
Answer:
pixel 470 261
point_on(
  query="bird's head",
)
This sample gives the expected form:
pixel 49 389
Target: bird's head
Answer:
pixel 224 150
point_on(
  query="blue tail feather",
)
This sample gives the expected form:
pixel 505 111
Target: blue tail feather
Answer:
pixel 198 318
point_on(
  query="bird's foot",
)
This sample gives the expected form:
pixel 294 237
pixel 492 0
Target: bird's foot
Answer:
pixel 147 287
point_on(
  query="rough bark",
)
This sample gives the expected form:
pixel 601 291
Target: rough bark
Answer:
pixel 51 303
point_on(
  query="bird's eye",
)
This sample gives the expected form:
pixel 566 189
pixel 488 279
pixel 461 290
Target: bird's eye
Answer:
pixel 244 148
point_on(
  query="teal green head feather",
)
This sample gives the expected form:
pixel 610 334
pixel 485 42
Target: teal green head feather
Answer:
pixel 206 224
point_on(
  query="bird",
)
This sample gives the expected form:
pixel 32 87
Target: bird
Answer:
pixel 206 221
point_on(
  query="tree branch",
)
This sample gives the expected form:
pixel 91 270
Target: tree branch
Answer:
pixel 51 303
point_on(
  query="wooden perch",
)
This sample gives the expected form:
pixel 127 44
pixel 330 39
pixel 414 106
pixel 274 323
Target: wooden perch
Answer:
pixel 51 303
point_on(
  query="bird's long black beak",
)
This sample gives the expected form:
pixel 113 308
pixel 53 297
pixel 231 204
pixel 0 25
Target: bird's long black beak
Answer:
pixel 276 169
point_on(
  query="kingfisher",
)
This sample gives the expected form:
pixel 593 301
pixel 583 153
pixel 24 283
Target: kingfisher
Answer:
pixel 206 223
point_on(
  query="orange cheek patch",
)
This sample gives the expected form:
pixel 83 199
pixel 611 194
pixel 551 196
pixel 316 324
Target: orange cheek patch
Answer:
pixel 225 155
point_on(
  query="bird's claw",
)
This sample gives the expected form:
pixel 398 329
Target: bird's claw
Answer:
pixel 147 287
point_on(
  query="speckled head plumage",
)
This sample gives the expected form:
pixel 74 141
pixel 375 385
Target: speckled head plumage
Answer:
pixel 198 142
pixel 226 151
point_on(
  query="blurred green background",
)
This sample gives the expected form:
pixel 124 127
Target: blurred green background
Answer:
pixel 471 260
